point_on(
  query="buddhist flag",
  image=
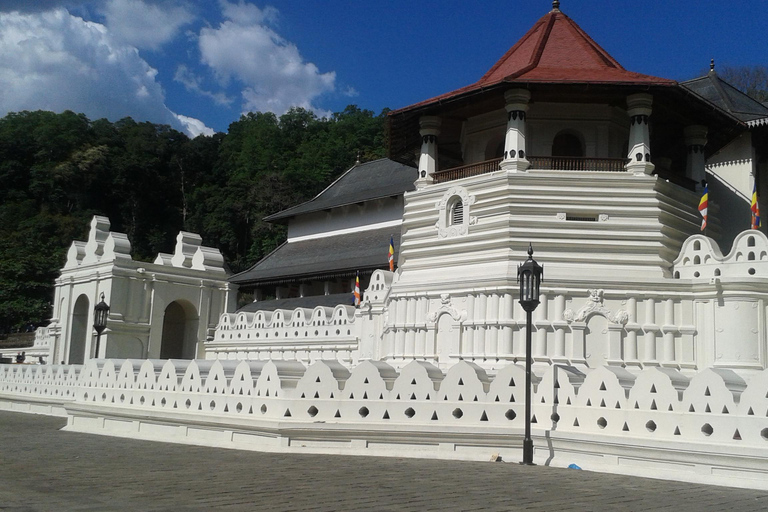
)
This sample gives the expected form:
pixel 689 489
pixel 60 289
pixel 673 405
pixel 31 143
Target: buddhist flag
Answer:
pixel 755 209
pixel 357 290
pixel 703 205
pixel 391 254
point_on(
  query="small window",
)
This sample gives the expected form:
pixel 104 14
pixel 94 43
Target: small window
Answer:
pixel 457 213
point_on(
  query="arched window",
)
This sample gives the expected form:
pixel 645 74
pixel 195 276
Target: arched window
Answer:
pixel 567 144
pixel 457 213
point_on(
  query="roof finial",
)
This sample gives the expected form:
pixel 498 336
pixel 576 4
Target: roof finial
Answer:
pixel 357 162
pixel 555 5
pixel 712 65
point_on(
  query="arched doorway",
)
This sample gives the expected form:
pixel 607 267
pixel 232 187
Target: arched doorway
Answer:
pixel 567 143
pixel 78 334
pixel 180 323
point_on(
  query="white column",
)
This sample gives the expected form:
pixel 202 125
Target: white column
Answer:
pixel 506 315
pixel 400 323
pixel 540 315
pixel 467 346
pixel 630 343
pixel 650 327
pixel 421 333
pixel 639 110
pixel 481 305
pixel 669 334
pixel 492 334
pixel 430 129
pixel 695 140
pixel 514 144
pixel 560 331
pixel 410 333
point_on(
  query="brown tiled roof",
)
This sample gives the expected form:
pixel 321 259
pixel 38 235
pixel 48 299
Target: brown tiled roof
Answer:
pixel 554 50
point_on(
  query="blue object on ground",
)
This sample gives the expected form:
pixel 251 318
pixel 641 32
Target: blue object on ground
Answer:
pixel 573 466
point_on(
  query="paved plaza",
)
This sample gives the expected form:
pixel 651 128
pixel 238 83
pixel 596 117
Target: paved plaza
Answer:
pixel 44 469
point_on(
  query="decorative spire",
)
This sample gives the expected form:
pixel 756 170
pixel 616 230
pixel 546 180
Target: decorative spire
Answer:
pixel 556 5
pixel 357 162
pixel 712 65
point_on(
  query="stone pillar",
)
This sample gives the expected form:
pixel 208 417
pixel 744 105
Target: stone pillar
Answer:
pixel 481 306
pixel 560 324
pixel 468 335
pixel 400 310
pixel 669 330
pixel 639 110
pixel 650 328
pixel 630 342
pixel 506 316
pixel 492 333
pixel 430 129
pixel 514 143
pixel 421 334
pixel 540 317
pixel 695 140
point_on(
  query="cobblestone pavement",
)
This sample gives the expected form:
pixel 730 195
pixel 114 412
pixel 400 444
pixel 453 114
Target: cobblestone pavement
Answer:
pixel 44 469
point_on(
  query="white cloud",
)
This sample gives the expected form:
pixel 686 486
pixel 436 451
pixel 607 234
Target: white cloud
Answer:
pixel 194 127
pixel 273 75
pixel 351 92
pixel 248 14
pixel 56 61
pixel 192 83
pixel 145 25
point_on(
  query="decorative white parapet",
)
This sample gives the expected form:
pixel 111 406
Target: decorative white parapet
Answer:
pixel 305 335
pixel 701 259
pixel 709 427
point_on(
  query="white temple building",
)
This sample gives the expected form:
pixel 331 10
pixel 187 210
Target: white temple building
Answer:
pixel 650 344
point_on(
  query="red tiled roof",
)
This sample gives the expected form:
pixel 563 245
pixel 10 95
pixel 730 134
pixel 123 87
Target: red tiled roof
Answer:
pixel 554 50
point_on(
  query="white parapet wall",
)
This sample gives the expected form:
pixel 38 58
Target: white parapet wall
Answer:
pixel 710 427
pixel 305 335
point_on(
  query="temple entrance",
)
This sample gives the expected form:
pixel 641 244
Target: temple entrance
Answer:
pixel 179 331
pixel 78 333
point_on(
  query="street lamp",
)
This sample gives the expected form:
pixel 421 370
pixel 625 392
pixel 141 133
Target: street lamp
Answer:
pixel 100 312
pixel 529 276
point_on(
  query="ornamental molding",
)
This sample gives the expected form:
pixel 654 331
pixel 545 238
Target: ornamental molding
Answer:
pixel 443 225
pixel 448 309
pixel 595 306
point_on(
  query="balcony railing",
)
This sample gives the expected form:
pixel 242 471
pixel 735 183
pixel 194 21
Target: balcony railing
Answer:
pixel 465 171
pixel 557 163
pixel 577 163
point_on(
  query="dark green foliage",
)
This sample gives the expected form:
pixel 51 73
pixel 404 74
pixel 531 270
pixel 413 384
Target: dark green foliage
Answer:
pixel 751 80
pixel 58 170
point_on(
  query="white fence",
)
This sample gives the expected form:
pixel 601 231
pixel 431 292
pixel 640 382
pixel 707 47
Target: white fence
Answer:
pixel 712 427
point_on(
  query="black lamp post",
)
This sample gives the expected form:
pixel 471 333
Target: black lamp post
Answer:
pixel 529 276
pixel 100 312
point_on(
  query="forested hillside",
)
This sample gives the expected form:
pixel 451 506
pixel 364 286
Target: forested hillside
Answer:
pixel 58 170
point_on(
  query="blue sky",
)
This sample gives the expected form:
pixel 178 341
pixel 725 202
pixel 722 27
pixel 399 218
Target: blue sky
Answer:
pixel 198 65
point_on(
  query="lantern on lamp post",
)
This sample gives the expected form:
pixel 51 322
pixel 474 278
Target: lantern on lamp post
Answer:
pixel 529 276
pixel 100 313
